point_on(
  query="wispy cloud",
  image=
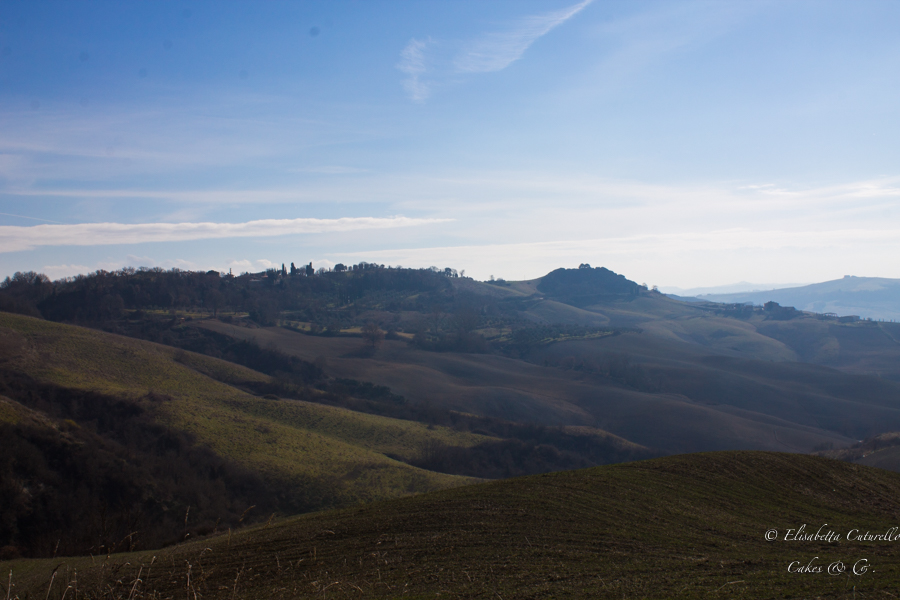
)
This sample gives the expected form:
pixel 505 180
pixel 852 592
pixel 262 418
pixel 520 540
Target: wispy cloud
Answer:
pixel 26 217
pixel 497 50
pixel 330 170
pixel 215 196
pixel 14 239
pixel 705 241
pixel 117 141
pixel 412 62
pixel 426 65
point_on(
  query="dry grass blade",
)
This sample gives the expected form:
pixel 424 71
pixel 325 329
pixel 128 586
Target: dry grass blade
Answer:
pixel 136 581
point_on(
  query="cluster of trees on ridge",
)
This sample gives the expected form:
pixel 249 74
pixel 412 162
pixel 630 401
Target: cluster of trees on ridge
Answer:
pixel 440 316
pixel 106 295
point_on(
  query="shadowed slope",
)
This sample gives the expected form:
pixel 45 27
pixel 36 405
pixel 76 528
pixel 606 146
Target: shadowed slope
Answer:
pixel 343 454
pixel 690 526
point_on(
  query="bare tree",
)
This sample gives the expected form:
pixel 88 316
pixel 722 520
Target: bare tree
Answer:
pixel 372 334
pixel 214 300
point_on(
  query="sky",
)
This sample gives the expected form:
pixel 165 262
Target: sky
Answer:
pixel 681 144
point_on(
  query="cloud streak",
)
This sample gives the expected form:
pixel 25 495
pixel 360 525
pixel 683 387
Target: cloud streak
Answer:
pixel 497 50
pixel 494 51
pixel 701 241
pixel 14 238
pixel 412 62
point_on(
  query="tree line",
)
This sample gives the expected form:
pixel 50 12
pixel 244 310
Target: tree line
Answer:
pixel 107 295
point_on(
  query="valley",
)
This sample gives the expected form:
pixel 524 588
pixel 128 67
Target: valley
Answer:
pixel 392 397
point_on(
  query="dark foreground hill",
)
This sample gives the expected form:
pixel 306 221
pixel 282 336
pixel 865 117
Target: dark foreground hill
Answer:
pixel 691 526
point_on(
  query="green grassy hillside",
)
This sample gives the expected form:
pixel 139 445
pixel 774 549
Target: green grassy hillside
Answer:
pixel 286 440
pixel 692 526
pixel 84 405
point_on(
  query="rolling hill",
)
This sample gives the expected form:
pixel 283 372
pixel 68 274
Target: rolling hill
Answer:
pixel 147 435
pixel 300 438
pixel 719 525
pixel 692 380
pixel 577 347
pixel 461 380
pixel 69 387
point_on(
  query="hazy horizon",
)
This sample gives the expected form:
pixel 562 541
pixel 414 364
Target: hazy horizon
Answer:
pixel 681 144
pixel 741 286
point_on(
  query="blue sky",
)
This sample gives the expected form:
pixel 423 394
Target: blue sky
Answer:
pixel 679 143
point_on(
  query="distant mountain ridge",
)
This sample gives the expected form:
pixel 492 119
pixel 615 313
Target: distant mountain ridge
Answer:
pixel 731 288
pixel 866 297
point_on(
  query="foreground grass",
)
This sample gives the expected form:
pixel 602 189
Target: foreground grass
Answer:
pixel 690 526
